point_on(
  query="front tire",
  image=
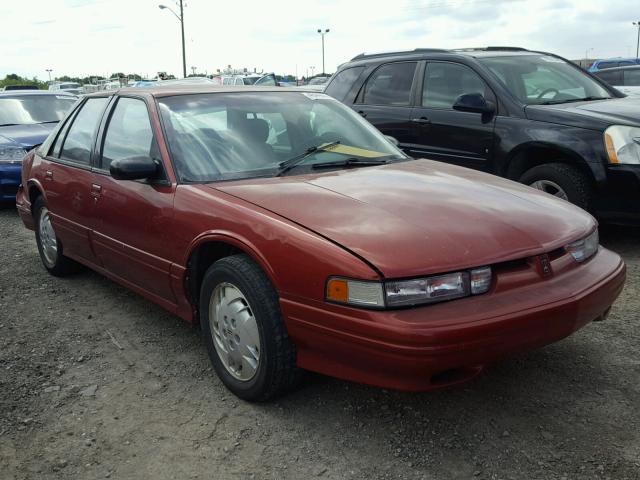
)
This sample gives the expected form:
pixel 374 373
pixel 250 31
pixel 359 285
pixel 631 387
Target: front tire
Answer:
pixel 561 180
pixel 244 332
pixel 49 246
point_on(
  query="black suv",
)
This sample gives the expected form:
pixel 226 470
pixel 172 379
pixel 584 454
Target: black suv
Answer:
pixel 528 116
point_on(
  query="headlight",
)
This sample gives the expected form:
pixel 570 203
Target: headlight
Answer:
pixel 623 144
pixel 585 248
pixel 11 154
pixel 402 293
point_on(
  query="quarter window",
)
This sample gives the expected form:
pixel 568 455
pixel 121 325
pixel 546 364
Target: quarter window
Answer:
pixel 445 82
pixel 129 133
pixel 390 84
pixel 57 147
pixel 77 144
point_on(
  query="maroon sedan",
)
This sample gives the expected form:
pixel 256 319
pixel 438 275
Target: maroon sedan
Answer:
pixel 298 237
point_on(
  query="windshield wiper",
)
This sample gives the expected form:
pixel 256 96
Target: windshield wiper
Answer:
pixel 287 165
pixel 352 161
pixel 572 100
pixel 9 125
pixel 50 121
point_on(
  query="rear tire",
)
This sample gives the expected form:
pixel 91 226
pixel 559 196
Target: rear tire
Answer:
pixel 244 332
pixel 49 245
pixel 561 180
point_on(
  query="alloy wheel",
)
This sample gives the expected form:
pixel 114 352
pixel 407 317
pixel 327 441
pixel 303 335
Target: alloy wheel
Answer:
pixel 551 188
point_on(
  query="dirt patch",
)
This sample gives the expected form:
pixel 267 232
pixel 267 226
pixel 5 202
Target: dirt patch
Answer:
pixel 96 382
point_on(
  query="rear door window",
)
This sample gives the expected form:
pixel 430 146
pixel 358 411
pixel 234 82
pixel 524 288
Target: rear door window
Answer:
pixel 390 84
pixel 78 143
pixel 611 77
pixel 267 80
pixel 632 78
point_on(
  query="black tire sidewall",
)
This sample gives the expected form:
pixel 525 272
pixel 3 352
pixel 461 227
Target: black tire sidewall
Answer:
pixel 63 265
pixel 221 272
pixel 570 179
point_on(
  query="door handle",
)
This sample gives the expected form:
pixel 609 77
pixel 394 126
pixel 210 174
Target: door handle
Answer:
pixel 48 175
pixel 421 120
pixel 362 114
pixel 96 191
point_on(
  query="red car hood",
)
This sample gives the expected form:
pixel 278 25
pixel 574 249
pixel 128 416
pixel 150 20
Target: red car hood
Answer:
pixel 420 217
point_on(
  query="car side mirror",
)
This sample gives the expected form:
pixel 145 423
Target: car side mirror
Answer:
pixel 392 140
pixel 134 168
pixel 473 102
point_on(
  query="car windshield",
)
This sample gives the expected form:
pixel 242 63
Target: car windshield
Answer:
pixel 544 79
pixel 224 136
pixel 28 109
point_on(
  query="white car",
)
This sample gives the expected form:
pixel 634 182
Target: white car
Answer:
pixel 625 79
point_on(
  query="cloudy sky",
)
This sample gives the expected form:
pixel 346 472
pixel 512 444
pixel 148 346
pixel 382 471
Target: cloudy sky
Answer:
pixel 81 37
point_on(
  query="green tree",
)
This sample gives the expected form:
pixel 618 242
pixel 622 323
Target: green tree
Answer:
pixel 14 79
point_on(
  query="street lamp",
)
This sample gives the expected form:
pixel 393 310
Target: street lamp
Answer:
pixel 637 24
pixel 181 19
pixel 49 70
pixel 322 34
pixel 193 71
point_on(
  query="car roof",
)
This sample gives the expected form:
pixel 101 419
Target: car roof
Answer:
pixel 173 90
pixel 618 69
pixel 57 93
pixel 470 52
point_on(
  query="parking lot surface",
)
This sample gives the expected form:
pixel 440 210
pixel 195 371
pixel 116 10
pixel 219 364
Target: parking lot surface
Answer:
pixel 96 382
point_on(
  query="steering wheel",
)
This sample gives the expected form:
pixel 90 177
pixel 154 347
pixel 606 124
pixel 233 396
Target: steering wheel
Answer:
pixel 544 92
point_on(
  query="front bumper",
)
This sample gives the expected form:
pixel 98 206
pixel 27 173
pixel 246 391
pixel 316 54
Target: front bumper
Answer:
pixel 438 345
pixel 9 180
pixel 619 201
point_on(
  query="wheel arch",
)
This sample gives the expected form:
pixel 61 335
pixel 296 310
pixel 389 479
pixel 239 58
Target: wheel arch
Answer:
pixel 211 247
pixel 35 190
pixel 532 154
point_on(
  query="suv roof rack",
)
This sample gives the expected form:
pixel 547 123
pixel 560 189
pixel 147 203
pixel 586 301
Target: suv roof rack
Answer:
pixel 509 49
pixel 384 54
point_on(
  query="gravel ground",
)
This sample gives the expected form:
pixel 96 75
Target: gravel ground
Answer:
pixel 96 382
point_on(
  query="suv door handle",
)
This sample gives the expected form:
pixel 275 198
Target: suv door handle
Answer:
pixel 362 114
pixel 96 191
pixel 48 175
pixel 421 120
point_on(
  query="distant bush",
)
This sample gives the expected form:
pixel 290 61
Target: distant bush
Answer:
pixel 13 79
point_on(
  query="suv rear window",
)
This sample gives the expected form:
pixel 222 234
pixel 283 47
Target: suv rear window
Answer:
pixel 342 82
pixel 390 84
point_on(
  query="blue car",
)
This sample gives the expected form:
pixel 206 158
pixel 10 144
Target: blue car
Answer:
pixel 26 119
pixel 613 63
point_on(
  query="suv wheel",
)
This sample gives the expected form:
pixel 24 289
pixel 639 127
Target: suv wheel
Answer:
pixel 560 180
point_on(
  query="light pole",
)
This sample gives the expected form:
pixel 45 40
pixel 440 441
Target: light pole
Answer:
pixel 312 69
pixel 181 19
pixel 49 70
pixel 322 34
pixel 637 24
pixel 193 71
pixel 586 53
